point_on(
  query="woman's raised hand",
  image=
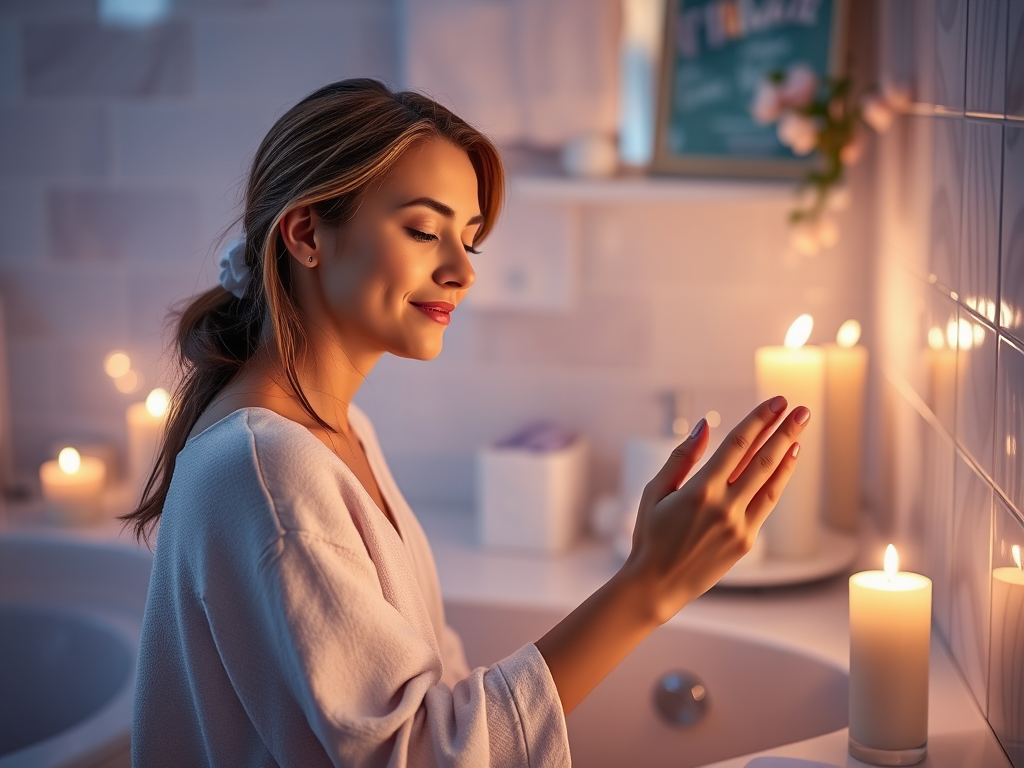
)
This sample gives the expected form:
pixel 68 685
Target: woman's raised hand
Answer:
pixel 688 535
pixel 686 538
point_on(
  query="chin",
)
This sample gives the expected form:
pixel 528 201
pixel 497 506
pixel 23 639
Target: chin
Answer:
pixel 420 351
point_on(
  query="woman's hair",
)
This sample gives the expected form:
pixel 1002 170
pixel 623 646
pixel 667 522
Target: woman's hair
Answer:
pixel 323 152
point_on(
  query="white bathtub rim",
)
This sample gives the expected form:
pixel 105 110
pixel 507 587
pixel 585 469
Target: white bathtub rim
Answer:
pixel 107 731
pixel 681 620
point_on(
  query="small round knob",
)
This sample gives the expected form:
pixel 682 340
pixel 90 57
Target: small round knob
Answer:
pixel 680 698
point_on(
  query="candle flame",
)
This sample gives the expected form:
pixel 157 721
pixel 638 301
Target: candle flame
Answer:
pixel 799 332
pixel 69 460
pixel 157 402
pixel 892 562
pixel 849 334
pixel 1015 549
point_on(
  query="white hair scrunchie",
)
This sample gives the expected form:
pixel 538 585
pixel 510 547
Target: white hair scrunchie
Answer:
pixel 234 272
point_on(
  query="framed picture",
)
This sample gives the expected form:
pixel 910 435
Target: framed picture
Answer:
pixel 715 55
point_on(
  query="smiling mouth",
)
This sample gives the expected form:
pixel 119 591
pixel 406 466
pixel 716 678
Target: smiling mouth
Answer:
pixel 438 311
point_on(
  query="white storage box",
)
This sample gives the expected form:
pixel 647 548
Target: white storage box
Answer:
pixel 532 500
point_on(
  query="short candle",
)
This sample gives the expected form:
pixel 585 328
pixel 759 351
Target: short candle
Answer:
pixel 72 485
pixel 890 632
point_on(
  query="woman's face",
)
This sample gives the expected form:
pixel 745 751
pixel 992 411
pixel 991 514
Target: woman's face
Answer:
pixel 401 265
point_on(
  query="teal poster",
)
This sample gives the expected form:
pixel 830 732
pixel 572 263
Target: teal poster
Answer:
pixel 718 52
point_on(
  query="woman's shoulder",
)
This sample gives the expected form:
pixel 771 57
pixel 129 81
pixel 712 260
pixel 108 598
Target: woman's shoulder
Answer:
pixel 256 458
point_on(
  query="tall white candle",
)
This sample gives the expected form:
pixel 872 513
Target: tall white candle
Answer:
pixel 890 630
pixel 846 365
pixel 72 485
pixel 1006 694
pixel 145 430
pixel 796 372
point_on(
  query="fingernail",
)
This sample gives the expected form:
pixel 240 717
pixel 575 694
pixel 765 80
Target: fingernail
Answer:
pixel 698 429
pixel 802 415
pixel 795 450
pixel 777 404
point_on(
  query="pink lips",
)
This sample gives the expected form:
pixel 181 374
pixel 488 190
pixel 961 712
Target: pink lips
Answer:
pixel 438 311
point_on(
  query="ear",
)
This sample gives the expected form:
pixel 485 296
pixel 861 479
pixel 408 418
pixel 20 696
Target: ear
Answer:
pixel 298 230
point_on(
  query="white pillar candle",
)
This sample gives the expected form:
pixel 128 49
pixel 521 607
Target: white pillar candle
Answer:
pixel 796 372
pixel 890 631
pixel 1006 696
pixel 145 430
pixel 72 485
pixel 846 366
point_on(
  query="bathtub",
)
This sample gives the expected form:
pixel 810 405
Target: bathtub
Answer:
pixel 757 695
pixel 70 621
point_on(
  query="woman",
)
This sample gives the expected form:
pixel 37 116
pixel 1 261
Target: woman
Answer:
pixel 294 615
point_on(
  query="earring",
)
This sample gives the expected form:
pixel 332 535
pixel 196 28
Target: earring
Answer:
pixel 310 259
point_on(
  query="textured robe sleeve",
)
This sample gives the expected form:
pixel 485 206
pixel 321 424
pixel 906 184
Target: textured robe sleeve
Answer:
pixel 320 659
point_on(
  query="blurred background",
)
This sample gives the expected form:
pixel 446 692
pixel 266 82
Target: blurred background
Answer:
pixel 125 133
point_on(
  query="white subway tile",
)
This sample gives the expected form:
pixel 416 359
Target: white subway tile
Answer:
pixel 122 224
pixel 971 577
pixel 22 223
pixel 284 55
pixel 85 60
pixel 10 60
pixel 64 305
pixel 53 141
pixel 189 142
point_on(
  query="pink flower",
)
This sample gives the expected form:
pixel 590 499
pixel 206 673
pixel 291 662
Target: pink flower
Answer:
pixel 851 153
pixel 767 106
pixel 799 87
pixel 798 132
pixel 876 113
pixel 896 96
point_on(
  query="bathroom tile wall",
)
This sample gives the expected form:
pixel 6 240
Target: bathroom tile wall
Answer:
pixel 120 154
pixel 949 303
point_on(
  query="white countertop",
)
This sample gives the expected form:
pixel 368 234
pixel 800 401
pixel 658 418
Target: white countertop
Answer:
pixel 813 618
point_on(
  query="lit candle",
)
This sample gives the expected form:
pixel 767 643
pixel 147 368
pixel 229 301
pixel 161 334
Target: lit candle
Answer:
pixel 846 365
pixel 797 372
pixel 72 485
pixel 890 630
pixel 145 429
pixel 1006 694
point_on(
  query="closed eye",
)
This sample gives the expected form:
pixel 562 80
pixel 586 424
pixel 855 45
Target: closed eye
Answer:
pixel 471 249
pixel 423 237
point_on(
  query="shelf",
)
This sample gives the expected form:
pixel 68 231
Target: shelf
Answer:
pixel 644 189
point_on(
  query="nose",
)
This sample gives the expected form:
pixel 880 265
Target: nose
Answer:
pixel 456 271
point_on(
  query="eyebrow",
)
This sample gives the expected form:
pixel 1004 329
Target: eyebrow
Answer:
pixel 444 210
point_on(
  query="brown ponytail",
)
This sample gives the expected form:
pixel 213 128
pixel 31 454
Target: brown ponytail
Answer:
pixel 323 152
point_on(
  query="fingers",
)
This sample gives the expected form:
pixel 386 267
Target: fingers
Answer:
pixel 679 463
pixel 767 496
pixel 746 438
pixel 760 472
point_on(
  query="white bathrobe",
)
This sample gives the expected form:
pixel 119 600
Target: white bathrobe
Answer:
pixel 288 623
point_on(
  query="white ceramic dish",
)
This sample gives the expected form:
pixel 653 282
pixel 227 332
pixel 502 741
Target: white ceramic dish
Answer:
pixel 836 553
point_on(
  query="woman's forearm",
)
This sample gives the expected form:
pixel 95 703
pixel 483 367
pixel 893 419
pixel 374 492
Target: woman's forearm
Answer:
pixel 591 641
